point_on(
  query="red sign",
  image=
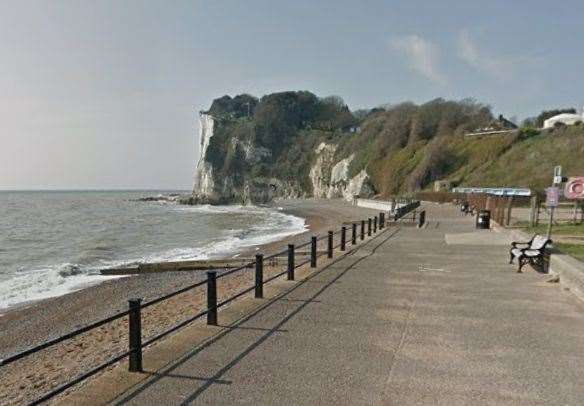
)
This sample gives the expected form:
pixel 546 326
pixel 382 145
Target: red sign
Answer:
pixel 575 188
pixel 552 196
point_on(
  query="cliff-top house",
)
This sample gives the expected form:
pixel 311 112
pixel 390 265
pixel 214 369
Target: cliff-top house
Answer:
pixel 564 118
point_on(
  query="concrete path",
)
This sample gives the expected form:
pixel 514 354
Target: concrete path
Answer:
pixel 406 320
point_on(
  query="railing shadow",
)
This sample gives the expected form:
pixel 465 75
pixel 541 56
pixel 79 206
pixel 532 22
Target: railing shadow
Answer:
pixel 216 377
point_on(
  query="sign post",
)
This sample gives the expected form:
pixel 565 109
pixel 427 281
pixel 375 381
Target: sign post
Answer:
pixel 552 197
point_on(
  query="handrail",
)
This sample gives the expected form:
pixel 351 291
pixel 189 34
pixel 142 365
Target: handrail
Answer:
pixel 12 358
pixel 172 294
pixel 62 338
pixel 224 274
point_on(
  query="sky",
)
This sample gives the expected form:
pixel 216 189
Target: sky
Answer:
pixel 106 94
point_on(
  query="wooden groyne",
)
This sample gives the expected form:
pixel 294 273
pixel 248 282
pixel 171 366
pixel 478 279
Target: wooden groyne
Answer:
pixel 193 265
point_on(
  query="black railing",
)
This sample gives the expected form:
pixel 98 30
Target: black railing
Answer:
pixel 135 306
pixel 405 209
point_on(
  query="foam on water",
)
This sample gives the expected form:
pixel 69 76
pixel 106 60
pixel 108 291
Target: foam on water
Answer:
pixel 262 225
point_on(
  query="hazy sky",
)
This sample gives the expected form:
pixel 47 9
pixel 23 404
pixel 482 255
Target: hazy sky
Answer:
pixel 104 94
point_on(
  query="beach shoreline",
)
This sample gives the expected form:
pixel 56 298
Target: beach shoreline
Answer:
pixel 319 215
pixel 37 322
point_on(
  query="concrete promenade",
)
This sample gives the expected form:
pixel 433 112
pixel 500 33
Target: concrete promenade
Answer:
pixel 416 316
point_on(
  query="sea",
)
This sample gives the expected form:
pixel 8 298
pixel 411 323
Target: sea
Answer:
pixel 53 243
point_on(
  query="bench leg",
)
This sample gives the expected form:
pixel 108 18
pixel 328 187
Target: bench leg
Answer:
pixel 521 262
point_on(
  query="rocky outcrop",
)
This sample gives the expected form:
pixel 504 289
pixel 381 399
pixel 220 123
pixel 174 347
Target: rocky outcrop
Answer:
pixel 320 172
pixel 359 185
pixel 331 180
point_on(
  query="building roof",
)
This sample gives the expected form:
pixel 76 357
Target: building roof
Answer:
pixel 565 116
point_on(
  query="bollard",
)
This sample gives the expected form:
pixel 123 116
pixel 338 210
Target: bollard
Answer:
pixel 354 234
pixel 375 224
pixel 135 335
pixel 290 273
pixel 362 229
pixel 422 218
pixel 212 298
pixel 343 237
pixel 259 276
pixel 369 227
pixel 329 250
pixel 381 220
pixel 313 252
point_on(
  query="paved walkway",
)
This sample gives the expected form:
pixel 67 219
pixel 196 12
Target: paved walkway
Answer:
pixel 376 328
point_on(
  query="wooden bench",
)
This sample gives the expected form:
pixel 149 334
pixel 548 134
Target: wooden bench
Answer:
pixel 530 252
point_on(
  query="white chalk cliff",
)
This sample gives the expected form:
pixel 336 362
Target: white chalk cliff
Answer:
pixel 329 178
pixel 204 183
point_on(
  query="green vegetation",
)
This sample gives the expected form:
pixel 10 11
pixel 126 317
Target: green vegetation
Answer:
pixel 404 147
pixel 560 229
pixel 575 250
pixel 279 132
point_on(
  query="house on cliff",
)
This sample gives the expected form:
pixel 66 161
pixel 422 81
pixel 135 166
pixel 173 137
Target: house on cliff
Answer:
pixel 496 126
pixel 564 118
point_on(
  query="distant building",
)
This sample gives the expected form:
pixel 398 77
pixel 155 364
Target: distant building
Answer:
pixel 564 118
pixel 497 126
pixel 442 186
pixel 497 191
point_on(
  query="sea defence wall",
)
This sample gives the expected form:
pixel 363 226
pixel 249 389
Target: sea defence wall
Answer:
pixel 570 271
pixel 382 205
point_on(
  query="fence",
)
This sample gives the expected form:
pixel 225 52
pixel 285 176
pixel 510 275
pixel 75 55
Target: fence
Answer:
pixel 135 305
pixel 500 206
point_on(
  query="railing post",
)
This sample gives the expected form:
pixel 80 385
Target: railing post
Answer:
pixel 369 227
pixel 313 252
pixel 290 273
pixel 212 298
pixel 343 237
pixel 329 251
pixel 354 234
pixel 375 224
pixel 422 218
pixel 362 229
pixel 135 335
pixel 259 276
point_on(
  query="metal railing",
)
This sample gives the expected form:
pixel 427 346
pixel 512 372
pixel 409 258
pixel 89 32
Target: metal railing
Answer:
pixel 135 305
pixel 405 209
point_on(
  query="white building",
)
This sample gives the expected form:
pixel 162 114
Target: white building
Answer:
pixel 565 118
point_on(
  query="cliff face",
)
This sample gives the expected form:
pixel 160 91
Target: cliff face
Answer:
pixel 257 151
pixel 329 177
pixel 204 184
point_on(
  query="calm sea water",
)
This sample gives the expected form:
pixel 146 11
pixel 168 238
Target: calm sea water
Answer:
pixel 52 243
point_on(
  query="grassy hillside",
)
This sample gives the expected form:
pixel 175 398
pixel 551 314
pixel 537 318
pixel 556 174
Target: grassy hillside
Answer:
pixel 515 159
